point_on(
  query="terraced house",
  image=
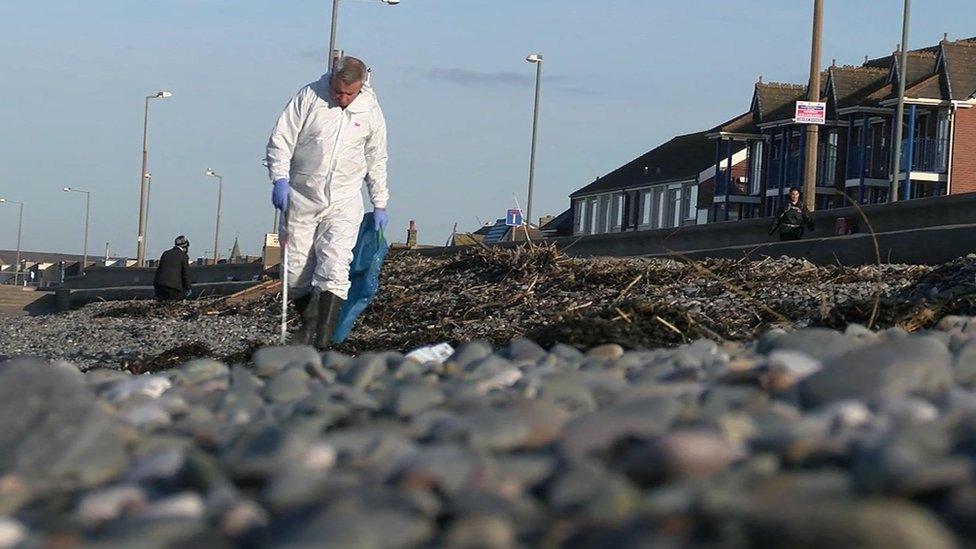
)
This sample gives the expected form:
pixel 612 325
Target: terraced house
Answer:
pixel 854 158
pixel 754 158
pixel 657 190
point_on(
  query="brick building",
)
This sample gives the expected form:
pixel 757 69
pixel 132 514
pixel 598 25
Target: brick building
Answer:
pixel 744 167
pixel 854 151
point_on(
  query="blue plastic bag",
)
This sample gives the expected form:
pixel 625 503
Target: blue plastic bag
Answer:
pixel 364 275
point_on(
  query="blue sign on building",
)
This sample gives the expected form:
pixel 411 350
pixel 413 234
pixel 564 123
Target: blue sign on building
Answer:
pixel 514 218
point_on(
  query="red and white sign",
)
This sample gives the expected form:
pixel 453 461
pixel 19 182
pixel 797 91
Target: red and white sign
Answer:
pixel 810 112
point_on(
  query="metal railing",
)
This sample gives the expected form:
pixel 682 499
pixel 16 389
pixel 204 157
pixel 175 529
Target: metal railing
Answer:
pixel 929 154
pixel 794 166
pixel 875 163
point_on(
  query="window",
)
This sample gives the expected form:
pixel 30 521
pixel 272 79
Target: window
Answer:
pixel 620 210
pixel 658 208
pixel 827 171
pixel 604 214
pixel 942 141
pixel 755 166
pixel 593 217
pixel 579 216
pixel 616 211
pixel 692 208
pixel 674 207
pixel 646 207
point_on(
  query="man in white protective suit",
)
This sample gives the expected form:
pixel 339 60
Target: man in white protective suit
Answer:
pixel 330 138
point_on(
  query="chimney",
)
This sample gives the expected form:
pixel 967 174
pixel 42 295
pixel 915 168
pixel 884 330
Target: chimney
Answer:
pixel 412 234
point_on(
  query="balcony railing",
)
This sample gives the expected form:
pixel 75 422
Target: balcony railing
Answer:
pixel 724 187
pixel 929 154
pixel 793 169
pixel 875 163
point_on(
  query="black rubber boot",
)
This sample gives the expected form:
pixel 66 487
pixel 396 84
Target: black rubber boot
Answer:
pixel 329 306
pixel 308 310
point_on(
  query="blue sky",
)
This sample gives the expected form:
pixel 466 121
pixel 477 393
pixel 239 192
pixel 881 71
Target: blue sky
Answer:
pixel 620 77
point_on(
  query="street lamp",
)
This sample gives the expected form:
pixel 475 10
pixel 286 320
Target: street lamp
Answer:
pixel 335 20
pixel 900 112
pixel 220 193
pixel 145 236
pixel 143 191
pixel 20 225
pixel 537 60
pixel 87 194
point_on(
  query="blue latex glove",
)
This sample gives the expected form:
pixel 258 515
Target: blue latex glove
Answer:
pixel 379 219
pixel 279 194
pixel 187 294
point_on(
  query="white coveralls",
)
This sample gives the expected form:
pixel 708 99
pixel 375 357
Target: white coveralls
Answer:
pixel 327 152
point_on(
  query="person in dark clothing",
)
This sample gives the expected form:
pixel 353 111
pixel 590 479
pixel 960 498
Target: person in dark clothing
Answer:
pixel 172 280
pixel 793 219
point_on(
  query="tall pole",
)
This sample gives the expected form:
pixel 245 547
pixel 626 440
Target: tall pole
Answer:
pixel 145 236
pixel 537 59
pixel 900 111
pixel 140 239
pixel 220 193
pixel 332 35
pixel 84 262
pixel 20 226
pixel 813 94
pixel 143 184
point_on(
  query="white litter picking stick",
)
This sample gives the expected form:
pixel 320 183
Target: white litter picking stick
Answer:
pixel 283 243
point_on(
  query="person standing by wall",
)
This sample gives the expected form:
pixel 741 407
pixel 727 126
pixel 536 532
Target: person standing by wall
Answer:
pixel 793 219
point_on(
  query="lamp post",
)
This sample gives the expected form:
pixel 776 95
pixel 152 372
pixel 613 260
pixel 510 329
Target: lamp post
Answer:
pixel 20 225
pixel 813 94
pixel 220 193
pixel 84 262
pixel 335 21
pixel 537 60
pixel 900 110
pixel 143 191
pixel 145 236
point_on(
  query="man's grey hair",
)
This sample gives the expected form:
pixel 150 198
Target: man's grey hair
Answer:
pixel 349 70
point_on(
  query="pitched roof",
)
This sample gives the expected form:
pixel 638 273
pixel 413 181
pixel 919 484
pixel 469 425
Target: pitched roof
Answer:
pixel 850 85
pixel 561 224
pixel 742 124
pixel 235 252
pixel 928 88
pixel 921 65
pixel 885 61
pixel 9 257
pixel 777 101
pixel 683 157
pixel 960 64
